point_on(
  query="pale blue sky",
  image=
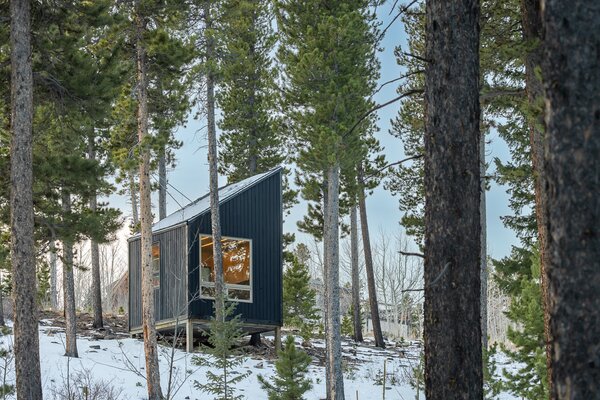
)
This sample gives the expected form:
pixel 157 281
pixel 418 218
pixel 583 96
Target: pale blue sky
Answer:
pixel 190 176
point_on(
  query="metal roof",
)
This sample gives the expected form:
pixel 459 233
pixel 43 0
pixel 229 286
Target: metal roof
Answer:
pixel 202 204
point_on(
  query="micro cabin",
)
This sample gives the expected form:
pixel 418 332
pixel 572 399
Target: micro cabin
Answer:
pixel 183 266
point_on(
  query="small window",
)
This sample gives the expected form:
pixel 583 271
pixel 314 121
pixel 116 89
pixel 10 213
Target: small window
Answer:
pixel 156 265
pixel 237 268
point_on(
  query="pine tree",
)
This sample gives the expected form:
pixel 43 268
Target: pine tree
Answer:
pixel 327 56
pixel 530 380
pixel 572 171
pixel 291 367
pixel 299 309
pixel 224 334
pixel 251 140
pixel 26 345
pixel 452 325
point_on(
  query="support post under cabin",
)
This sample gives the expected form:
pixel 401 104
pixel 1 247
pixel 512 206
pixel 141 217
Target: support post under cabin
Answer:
pixel 278 338
pixel 189 336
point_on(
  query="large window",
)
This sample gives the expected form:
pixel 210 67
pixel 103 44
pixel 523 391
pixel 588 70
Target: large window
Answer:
pixel 237 268
pixel 156 265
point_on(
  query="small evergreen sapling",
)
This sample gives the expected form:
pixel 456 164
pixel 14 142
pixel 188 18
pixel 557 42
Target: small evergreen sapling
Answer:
pixel 224 334
pixel 299 299
pixel 290 382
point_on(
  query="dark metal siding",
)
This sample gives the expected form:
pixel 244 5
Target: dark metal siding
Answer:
pixel 170 299
pixel 255 213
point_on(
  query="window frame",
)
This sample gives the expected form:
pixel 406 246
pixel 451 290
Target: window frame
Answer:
pixel 249 287
pixel 156 287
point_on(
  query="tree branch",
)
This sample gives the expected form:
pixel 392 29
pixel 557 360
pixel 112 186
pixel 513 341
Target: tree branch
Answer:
pixel 417 57
pixel 393 164
pixel 419 71
pixel 404 253
pixel 493 93
pixel 434 282
pixel 380 106
pixel 402 11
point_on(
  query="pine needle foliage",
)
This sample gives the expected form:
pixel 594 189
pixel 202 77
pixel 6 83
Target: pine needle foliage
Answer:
pixel 530 380
pixel 290 382
pixel 299 309
pixel 223 356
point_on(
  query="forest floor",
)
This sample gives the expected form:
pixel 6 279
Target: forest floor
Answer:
pixel 112 363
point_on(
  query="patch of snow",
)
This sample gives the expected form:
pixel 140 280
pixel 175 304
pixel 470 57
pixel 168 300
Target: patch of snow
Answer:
pixel 116 362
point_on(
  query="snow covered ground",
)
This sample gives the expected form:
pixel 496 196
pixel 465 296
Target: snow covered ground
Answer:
pixel 118 365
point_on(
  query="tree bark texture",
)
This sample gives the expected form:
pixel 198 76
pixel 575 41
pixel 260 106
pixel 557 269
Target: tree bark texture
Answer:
pixel 53 274
pixel 333 337
pixel 452 322
pixel 358 336
pixel 133 191
pixel 364 227
pixel 69 286
pixel 533 32
pixel 483 259
pixel 95 255
pixel 572 177
pixel 26 340
pixel 148 319
pixel 162 185
pixel 212 165
pixel 2 321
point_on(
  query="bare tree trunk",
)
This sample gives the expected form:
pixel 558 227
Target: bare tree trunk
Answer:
pixel 69 287
pixel 572 174
pixel 53 274
pixel 452 272
pixel 533 32
pixel 483 260
pixel 358 336
pixel 333 362
pixel 162 185
pixel 26 340
pixel 95 254
pixel 148 318
pixel 364 227
pixel 133 191
pixel 2 322
pixel 212 164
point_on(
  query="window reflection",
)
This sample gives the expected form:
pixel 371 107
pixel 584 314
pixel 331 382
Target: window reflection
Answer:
pixel 236 267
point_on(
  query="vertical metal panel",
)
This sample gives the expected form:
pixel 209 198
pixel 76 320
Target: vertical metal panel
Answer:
pixel 170 299
pixel 255 213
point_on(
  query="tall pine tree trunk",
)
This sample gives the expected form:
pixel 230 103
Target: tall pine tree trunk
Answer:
pixel 162 184
pixel 69 286
pixel 148 318
pixel 533 32
pixel 364 225
pixel 333 362
pixel 95 253
pixel 212 164
pixel 53 274
pixel 133 192
pixel 453 356
pixel 26 341
pixel 483 244
pixel 358 336
pixel 572 177
pixel 2 322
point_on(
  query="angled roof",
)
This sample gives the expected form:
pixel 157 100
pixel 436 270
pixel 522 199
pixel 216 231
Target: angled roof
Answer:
pixel 202 204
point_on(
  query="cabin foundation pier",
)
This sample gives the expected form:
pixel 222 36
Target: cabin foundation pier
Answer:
pixel 189 337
